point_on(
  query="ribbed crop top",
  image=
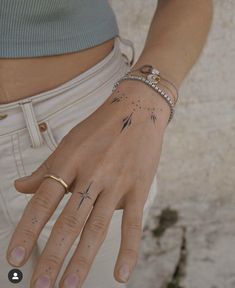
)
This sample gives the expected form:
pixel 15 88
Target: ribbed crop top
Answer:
pixel 30 28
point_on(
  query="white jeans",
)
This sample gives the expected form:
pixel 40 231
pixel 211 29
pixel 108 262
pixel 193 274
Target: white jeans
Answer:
pixel 23 147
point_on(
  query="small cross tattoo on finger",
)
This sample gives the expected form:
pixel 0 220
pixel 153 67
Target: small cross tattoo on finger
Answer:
pixel 85 195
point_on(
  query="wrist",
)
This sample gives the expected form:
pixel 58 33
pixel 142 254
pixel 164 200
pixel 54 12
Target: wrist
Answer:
pixel 159 58
pixel 147 97
pixel 163 84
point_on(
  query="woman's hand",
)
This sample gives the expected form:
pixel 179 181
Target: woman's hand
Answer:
pixel 109 161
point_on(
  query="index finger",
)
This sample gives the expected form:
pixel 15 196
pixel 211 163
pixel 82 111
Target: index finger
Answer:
pixel 36 214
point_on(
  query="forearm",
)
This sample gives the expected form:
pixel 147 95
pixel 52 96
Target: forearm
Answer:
pixel 176 36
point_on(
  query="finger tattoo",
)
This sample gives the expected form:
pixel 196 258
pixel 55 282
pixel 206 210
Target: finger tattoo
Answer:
pixel 48 270
pixel 34 220
pixel 61 242
pixel 85 195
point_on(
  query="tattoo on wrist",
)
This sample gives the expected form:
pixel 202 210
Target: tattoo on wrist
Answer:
pixel 126 122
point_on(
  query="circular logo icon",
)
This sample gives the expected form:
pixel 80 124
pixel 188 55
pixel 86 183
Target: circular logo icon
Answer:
pixel 15 275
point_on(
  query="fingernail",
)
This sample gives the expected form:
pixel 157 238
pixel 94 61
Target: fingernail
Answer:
pixel 124 272
pixel 71 281
pixel 17 255
pixel 43 282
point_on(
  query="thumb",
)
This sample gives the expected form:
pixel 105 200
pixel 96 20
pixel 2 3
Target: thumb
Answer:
pixel 29 184
pixel 23 178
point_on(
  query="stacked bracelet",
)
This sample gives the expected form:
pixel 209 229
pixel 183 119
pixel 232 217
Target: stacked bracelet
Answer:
pixel 151 81
pixel 154 75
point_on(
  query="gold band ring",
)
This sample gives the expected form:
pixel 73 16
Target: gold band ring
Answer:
pixel 60 180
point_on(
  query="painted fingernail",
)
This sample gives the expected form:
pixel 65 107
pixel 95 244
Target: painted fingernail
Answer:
pixel 17 255
pixel 124 272
pixel 71 281
pixel 43 282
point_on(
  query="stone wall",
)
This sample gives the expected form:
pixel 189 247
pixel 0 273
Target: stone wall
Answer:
pixel 189 239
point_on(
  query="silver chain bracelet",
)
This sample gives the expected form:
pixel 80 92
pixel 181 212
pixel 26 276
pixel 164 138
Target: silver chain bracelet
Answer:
pixel 151 84
pixel 154 75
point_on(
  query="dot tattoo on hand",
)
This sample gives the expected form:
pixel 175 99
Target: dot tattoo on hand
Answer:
pixel 126 122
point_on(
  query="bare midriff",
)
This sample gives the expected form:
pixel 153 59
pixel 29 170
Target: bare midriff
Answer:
pixel 24 77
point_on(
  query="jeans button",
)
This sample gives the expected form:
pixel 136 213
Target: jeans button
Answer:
pixel 3 116
pixel 42 126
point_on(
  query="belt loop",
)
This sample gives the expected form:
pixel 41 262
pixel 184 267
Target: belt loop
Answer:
pixel 31 123
pixel 131 45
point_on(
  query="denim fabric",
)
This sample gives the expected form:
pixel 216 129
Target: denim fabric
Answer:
pixel 23 147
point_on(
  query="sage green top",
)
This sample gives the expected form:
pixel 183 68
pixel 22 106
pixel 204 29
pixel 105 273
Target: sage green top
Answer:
pixel 30 28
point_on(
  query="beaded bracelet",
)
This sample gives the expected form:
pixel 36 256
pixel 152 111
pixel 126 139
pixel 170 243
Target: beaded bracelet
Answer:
pixel 153 86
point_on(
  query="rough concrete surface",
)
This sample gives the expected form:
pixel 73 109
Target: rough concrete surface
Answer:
pixel 196 174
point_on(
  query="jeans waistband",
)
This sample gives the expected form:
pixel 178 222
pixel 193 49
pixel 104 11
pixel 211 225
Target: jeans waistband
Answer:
pixel 21 113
